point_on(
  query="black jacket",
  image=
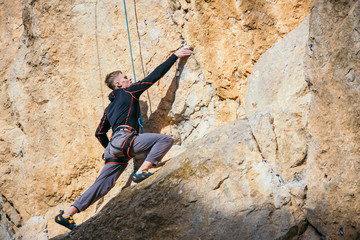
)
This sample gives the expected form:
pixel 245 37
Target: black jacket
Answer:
pixel 124 106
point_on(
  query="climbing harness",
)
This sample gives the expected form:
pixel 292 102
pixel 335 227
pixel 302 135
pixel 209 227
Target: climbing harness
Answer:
pixel 125 147
pixel 140 121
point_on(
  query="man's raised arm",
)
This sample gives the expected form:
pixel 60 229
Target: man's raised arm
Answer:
pixel 158 73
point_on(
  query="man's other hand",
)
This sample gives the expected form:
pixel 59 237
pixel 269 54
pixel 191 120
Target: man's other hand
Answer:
pixel 183 52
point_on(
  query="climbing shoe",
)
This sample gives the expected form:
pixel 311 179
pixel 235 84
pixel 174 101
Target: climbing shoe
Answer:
pixel 141 176
pixel 65 221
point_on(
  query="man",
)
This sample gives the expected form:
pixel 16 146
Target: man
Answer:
pixel 122 115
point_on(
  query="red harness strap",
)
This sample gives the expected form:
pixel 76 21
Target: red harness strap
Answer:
pixel 116 160
pixel 125 147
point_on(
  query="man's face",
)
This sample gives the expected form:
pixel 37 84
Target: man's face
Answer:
pixel 122 81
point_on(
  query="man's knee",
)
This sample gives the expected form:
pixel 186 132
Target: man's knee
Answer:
pixel 168 140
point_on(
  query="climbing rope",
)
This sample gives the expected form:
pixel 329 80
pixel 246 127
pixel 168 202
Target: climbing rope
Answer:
pixel 140 121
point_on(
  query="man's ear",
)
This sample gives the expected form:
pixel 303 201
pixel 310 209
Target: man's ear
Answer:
pixel 117 84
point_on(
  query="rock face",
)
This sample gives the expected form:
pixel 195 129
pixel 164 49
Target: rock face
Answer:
pixel 287 165
pixel 242 24
pixel 280 173
pixel 235 183
pixel 54 56
pixel 219 188
pixel 277 104
pixel 11 30
pixel 7 225
pixel 333 165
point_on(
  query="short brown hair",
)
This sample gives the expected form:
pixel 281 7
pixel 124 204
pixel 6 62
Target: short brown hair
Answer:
pixel 109 79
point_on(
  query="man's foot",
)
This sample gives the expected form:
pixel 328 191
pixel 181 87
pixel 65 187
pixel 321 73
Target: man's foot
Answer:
pixel 65 221
pixel 141 176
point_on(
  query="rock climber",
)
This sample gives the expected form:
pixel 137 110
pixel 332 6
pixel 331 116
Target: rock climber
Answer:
pixel 122 115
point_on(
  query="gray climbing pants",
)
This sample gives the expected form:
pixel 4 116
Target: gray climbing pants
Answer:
pixel 154 145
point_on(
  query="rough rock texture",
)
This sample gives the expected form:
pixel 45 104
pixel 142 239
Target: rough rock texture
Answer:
pixel 213 86
pixel 34 228
pixel 7 227
pixel 210 192
pixel 10 30
pixel 333 165
pixel 293 162
pixel 246 28
pixel 227 186
pixel 277 104
pixel 288 170
pixel 55 54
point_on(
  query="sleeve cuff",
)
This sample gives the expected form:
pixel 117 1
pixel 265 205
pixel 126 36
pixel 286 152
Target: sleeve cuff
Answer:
pixel 173 56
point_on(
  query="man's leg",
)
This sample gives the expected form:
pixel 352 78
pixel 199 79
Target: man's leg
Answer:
pixel 155 145
pixel 102 185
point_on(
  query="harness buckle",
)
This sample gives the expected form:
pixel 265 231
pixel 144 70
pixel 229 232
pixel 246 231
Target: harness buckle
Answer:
pixel 124 128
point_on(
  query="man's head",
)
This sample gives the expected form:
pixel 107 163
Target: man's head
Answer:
pixel 117 79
